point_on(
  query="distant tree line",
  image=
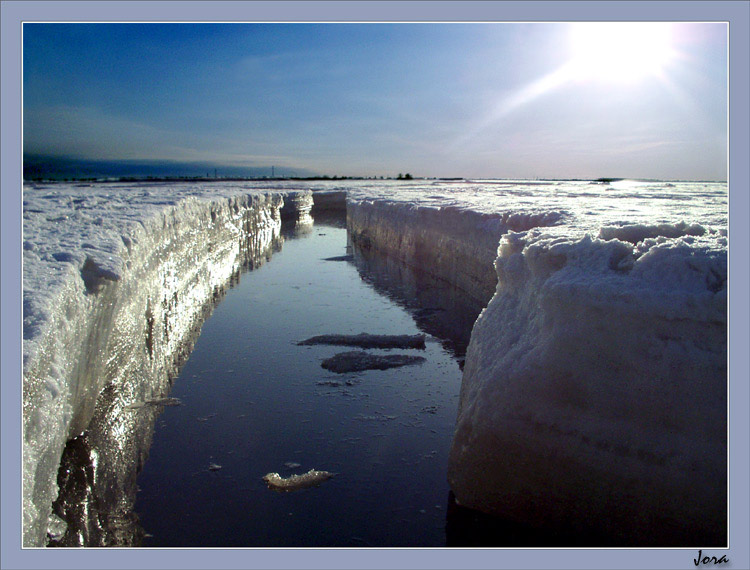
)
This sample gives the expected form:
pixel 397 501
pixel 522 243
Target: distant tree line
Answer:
pixel 178 178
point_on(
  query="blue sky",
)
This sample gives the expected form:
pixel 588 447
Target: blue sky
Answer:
pixel 476 100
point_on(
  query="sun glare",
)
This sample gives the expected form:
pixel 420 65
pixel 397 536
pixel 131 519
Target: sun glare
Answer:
pixel 624 52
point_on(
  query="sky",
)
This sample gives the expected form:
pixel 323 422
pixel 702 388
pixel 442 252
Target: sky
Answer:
pixel 479 100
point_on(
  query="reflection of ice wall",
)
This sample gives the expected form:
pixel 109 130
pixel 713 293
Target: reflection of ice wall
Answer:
pixel 440 309
pixel 595 387
pixel 113 295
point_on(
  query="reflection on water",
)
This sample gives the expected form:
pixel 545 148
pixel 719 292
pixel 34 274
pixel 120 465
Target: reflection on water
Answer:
pixel 160 310
pixel 253 402
pixel 439 308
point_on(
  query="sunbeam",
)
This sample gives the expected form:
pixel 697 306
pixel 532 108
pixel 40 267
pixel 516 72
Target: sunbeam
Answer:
pixel 620 54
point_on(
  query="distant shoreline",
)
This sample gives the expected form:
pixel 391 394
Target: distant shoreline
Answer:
pixel 139 179
pixel 44 168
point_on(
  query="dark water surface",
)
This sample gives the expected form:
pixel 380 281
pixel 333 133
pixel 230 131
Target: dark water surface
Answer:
pixel 254 402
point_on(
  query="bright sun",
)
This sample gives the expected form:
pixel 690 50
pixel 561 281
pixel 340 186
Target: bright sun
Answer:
pixel 624 52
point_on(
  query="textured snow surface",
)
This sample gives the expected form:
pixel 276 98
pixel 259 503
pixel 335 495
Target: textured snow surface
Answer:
pixel 594 391
pixel 595 382
pixel 453 229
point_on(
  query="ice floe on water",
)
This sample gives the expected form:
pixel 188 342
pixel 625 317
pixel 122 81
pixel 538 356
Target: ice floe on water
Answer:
pixel 359 360
pixel 365 340
pixel 312 478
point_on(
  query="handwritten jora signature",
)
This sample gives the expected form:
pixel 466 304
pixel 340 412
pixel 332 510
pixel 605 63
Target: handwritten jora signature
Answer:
pixel 705 560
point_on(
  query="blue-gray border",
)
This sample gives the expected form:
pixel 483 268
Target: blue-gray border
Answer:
pixel 737 13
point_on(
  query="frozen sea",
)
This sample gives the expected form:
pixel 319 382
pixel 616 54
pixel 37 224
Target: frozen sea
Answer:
pixel 71 228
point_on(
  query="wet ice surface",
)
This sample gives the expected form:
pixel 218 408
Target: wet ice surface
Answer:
pixel 254 403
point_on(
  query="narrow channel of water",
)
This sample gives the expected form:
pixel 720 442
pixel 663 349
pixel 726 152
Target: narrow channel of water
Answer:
pixel 254 402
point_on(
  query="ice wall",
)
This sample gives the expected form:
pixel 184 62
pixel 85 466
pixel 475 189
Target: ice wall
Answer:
pixel 117 282
pixel 594 395
pixel 297 207
pixel 457 243
pixel 329 202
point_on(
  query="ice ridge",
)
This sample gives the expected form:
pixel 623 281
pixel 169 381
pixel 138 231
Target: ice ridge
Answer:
pixel 117 280
pixel 594 390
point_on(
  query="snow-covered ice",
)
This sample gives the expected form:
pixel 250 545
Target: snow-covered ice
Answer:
pixel 597 375
pixel 594 393
pixel 594 390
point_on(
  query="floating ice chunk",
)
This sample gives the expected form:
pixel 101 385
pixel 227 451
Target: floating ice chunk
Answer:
pixel 377 417
pixel 312 478
pixel 364 340
pixel 358 360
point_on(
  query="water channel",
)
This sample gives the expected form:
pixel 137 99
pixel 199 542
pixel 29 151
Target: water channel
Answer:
pixel 255 402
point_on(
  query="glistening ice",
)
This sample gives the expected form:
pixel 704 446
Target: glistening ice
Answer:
pixel 595 377
pixel 117 281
